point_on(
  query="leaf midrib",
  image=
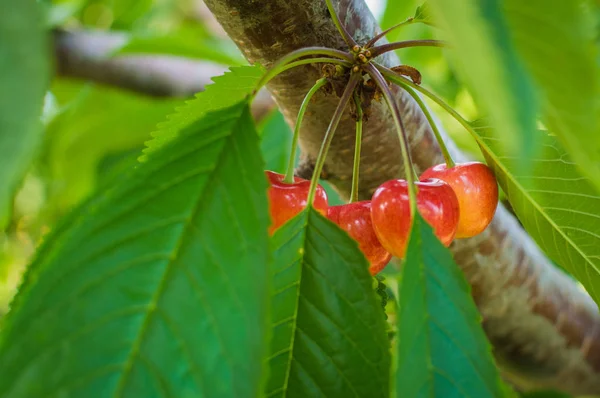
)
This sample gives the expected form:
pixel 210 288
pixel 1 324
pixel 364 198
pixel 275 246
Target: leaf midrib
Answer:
pixel 133 354
pixel 423 278
pixel 159 190
pixel 429 322
pixel 297 303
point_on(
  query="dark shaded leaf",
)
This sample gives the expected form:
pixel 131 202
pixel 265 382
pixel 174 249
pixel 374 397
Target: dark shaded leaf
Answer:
pixel 329 337
pixel 442 350
pixel 423 14
pixel 159 287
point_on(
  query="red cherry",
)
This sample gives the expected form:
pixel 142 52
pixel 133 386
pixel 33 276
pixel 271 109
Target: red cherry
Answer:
pixel 477 192
pixel 355 219
pixel 390 212
pixel 287 200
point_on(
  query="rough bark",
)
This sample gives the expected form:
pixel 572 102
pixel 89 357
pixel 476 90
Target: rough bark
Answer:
pixel 544 328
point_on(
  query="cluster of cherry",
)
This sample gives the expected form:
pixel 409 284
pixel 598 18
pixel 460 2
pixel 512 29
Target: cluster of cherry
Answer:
pixel 458 202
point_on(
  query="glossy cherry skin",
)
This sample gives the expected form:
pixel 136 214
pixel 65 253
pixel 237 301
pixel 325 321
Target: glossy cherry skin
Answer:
pixel 477 192
pixel 287 200
pixel 355 219
pixel 390 212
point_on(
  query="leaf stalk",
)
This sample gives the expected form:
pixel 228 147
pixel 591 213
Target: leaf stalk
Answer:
pixel 335 120
pixel 289 175
pixel 357 147
pixel 402 136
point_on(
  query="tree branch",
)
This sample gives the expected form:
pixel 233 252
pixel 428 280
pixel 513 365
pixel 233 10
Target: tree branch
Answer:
pixel 87 55
pixel 544 328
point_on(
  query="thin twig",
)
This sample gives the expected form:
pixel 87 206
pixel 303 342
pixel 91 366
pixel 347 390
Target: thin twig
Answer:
pixel 402 136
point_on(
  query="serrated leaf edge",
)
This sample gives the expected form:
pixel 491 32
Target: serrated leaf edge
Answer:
pixel 162 135
pixel 535 204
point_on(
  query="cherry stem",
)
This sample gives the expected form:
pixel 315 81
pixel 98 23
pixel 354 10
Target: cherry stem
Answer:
pixel 289 175
pixel 397 79
pixel 338 24
pixel 393 106
pixel 438 136
pixel 357 146
pixel 286 62
pixel 384 48
pixel 335 120
pixel 374 40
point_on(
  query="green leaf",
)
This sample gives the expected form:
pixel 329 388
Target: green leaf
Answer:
pixel 442 350
pixel 329 337
pixel 227 90
pixel 24 74
pixel 557 206
pixel 158 286
pixel 481 45
pixel 423 14
pixel 556 43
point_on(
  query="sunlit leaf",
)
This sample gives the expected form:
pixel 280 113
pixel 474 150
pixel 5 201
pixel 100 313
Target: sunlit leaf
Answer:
pixel 423 14
pixel 556 204
pixel 489 64
pixel 556 42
